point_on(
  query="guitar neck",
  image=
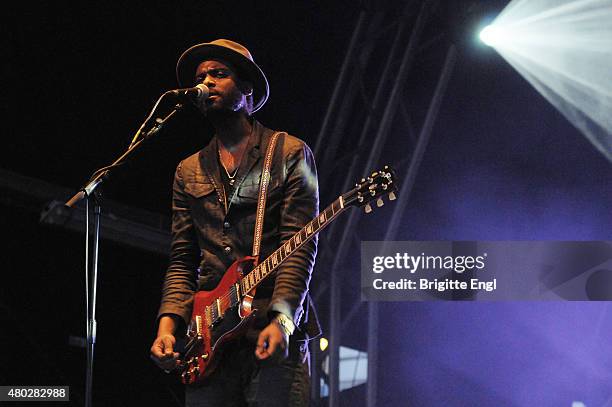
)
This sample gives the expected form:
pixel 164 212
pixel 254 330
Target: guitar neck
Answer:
pixel 272 262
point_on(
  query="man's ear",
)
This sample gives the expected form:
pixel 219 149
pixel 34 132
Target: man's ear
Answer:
pixel 246 88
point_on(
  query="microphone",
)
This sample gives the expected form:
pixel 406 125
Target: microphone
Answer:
pixel 195 94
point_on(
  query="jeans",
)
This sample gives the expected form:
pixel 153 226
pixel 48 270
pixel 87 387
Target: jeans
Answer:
pixel 242 380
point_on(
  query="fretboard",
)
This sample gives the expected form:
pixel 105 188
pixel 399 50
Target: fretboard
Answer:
pixel 267 267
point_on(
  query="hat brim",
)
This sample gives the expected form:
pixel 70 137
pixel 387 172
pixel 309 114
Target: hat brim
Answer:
pixel 248 70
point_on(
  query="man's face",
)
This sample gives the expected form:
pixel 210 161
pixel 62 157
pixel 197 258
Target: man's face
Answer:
pixel 227 92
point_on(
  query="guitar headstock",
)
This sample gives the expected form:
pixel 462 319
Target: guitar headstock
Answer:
pixel 374 187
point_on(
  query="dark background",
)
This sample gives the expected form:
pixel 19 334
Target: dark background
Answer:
pixel 502 164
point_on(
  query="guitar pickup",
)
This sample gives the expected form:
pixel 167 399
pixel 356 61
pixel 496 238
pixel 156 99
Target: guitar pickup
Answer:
pixel 218 315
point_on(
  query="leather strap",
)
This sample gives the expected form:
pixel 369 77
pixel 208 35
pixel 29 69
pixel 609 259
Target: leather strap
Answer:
pixel 263 193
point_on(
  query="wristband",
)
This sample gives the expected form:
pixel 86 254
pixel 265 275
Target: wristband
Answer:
pixel 285 323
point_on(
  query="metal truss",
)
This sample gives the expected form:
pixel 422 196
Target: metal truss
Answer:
pixel 368 106
pixel 126 225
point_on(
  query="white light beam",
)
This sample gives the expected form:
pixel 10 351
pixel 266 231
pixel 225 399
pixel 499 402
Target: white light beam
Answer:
pixel 564 49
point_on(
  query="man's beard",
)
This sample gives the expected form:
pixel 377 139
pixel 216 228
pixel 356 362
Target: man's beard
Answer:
pixel 207 108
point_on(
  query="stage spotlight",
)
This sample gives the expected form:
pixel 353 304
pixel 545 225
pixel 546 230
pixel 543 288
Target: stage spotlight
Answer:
pixel 564 49
pixel 323 344
pixel 490 35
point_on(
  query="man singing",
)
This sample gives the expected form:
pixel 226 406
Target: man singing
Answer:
pixel 215 196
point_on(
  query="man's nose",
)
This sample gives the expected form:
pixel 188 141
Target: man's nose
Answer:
pixel 208 81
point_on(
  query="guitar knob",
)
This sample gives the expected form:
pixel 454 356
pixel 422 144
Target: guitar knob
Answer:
pixel 368 208
pixel 379 202
pixel 392 196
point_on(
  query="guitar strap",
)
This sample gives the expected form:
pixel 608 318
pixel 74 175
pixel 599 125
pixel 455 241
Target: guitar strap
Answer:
pixel 263 192
pixel 311 324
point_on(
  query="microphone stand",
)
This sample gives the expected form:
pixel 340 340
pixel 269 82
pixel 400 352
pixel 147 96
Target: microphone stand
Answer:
pixel 91 194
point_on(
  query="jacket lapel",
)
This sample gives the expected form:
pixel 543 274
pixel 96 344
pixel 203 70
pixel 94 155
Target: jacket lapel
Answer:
pixel 209 162
pixel 253 153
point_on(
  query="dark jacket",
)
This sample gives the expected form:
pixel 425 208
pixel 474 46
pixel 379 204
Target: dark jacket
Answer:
pixel 210 230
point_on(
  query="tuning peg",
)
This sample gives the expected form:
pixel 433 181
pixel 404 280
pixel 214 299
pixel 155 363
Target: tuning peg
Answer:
pixel 380 202
pixel 392 196
pixel 368 208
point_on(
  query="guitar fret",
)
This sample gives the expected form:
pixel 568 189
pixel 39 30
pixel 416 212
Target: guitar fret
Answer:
pixel 329 213
pixel 269 261
pixel 310 226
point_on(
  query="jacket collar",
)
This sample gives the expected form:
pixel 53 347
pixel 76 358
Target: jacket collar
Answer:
pixel 210 163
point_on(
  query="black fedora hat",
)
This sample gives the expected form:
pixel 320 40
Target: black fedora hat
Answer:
pixel 229 51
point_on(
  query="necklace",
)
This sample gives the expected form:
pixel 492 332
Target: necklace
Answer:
pixel 231 176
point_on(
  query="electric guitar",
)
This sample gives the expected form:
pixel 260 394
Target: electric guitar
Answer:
pixel 225 313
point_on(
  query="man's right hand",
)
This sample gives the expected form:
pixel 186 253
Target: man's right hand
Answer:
pixel 162 352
